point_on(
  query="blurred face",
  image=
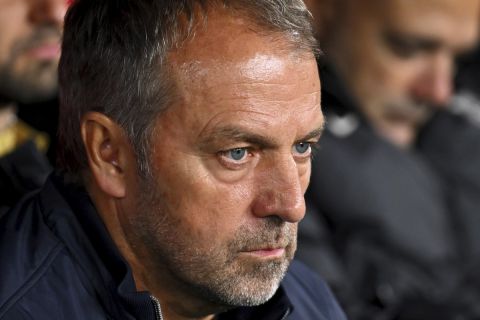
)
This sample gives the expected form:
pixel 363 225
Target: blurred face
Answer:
pixel 397 57
pixel 30 32
pixel 231 163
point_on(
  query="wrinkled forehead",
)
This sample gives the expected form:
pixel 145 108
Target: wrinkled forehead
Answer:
pixel 229 50
pixel 261 77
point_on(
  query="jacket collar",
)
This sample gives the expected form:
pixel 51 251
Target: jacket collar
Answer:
pixel 77 223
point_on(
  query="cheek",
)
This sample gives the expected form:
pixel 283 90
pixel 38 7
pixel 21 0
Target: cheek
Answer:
pixel 402 75
pixel 6 44
pixel 207 210
pixel 305 178
pixel 13 26
pixel 386 79
pixel 393 75
pixel 367 73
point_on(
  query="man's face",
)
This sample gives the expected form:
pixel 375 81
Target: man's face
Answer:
pixel 231 163
pixel 30 32
pixel 397 55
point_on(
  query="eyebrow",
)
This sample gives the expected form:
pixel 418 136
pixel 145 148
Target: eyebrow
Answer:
pixel 314 134
pixel 399 39
pixel 240 135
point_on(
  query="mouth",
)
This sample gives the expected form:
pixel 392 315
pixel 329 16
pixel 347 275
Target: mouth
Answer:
pixel 267 252
pixel 44 51
pixel 404 110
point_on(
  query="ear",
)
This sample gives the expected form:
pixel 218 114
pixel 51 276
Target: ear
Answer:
pixel 108 151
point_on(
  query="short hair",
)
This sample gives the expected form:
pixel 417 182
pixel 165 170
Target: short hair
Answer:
pixel 114 61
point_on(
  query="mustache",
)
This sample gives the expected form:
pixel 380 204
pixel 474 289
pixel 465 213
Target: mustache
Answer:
pixel 40 36
pixel 408 108
pixel 272 233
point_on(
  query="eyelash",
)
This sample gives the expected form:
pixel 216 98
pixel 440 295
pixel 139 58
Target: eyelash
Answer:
pixel 316 147
pixel 232 163
pixel 249 153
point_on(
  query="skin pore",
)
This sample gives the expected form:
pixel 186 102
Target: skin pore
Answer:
pixel 397 56
pixel 215 226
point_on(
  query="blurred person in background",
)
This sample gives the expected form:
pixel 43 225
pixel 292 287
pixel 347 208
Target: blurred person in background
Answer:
pixel 395 191
pixel 30 33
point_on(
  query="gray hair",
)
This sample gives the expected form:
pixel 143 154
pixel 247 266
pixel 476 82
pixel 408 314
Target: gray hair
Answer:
pixel 114 61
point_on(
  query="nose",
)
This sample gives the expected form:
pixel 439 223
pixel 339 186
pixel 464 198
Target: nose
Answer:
pixel 48 11
pixel 280 192
pixel 434 85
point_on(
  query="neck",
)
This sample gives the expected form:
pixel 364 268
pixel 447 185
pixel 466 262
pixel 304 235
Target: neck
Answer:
pixel 175 298
pixel 401 135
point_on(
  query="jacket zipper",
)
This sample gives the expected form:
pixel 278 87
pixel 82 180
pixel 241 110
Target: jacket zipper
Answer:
pixel 286 315
pixel 158 309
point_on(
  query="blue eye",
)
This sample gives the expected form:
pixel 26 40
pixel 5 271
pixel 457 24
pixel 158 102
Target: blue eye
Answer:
pixel 302 147
pixel 237 154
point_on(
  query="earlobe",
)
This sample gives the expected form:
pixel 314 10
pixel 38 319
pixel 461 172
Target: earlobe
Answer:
pixel 107 151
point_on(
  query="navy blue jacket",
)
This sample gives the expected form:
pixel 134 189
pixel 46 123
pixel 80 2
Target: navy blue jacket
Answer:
pixel 57 261
pixel 23 170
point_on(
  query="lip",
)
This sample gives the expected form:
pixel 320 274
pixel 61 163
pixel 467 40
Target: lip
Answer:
pixel 267 252
pixel 45 51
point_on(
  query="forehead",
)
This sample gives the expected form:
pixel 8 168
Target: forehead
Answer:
pixel 452 21
pixel 229 67
pixel 228 37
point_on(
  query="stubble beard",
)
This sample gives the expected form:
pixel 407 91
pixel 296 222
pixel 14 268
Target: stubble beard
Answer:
pixel 410 111
pixel 37 84
pixel 222 275
pixel 34 80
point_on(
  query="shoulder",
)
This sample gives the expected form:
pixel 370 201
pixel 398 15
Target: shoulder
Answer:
pixel 310 296
pixel 449 132
pixel 39 277
pixel 27 250
pixel 452 144
pixel 22 170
